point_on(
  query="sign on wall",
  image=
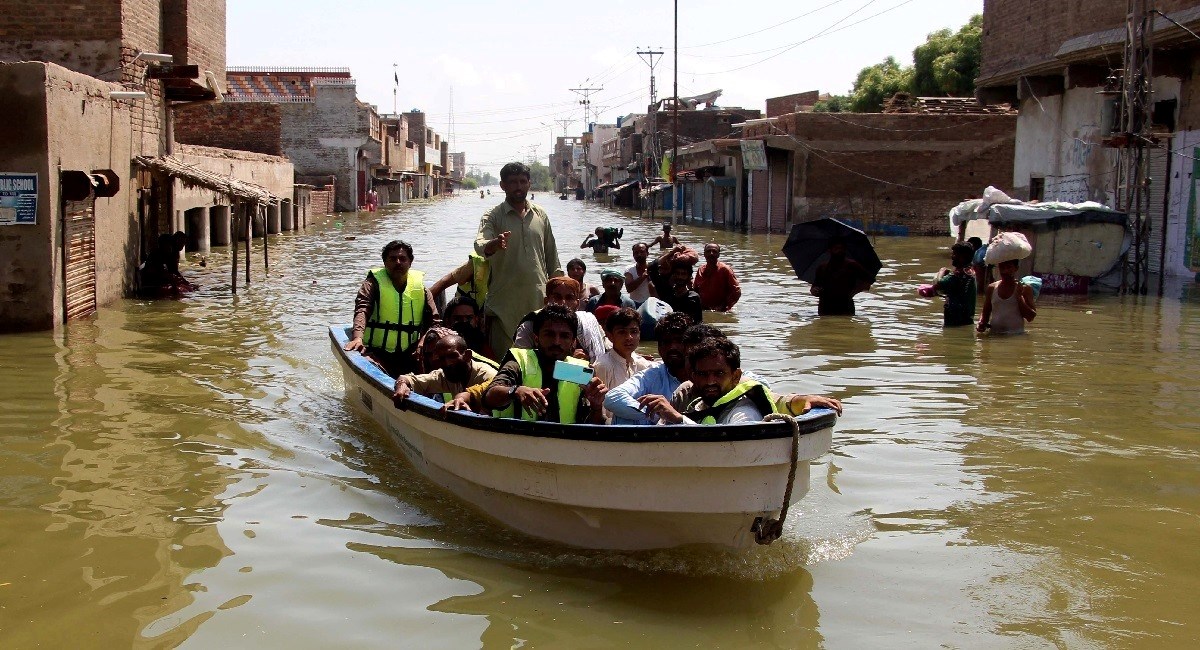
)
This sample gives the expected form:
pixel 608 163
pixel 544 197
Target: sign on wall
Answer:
pixel 754 155
pixel 18 198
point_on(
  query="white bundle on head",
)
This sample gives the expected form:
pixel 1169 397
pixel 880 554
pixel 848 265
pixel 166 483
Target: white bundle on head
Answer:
pixel 1007 246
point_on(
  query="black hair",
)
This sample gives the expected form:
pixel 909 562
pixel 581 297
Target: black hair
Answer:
pixel 622 317
pixel 577 262
pixel 975 242
pixel 460 301
pixel 393 245
pixel 717 347
pixel 963 249
pixel 701 332
pixel 454 339
pixel 673 324
pixel 555 314
pixel 515 169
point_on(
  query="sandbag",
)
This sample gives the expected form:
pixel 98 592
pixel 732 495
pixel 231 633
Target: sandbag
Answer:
pixel 1007 246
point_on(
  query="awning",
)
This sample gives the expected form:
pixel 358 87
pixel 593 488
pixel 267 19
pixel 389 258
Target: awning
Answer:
pixel 603 186
pixel 723 181
pixel 197 177
pixel 657 187
pixel 625 185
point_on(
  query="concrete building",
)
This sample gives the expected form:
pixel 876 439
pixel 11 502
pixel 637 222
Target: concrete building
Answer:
pixel 866 169
pixel 597 136
pixel 1062 69
pixel 88 191
pixel 458 165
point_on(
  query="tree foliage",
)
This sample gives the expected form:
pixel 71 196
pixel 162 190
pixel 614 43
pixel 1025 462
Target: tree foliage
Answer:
pixel 835 104
pixel 945 65
pixel 540 178
pixel 877 83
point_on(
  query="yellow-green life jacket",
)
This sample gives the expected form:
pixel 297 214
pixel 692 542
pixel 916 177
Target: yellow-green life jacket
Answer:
pixel 531 376
pixel 395 321
pixel 755 391
pixel 477 288
pixel 484 360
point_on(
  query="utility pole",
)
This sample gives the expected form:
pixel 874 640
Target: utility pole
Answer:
pixel 586 102
pixel 395 87
pixel 1137 106
pixel 649 59
pixel 675 200
pixel 450 126
pixel 564 123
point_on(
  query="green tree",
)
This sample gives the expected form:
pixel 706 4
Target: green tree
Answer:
pixel 470 183
pixel 947 63
pixel 877 83
pixel 835 104
pixel 540 178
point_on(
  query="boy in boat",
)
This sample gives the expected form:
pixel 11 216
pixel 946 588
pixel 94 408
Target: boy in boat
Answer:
pixel 624 330
pixel 958 286
pixel 525 386
pixel 660 379
pixel 564 291
pixel 613 282
pixel 452 370
pixel 1007 304
pixel 391 312
pixel 577 271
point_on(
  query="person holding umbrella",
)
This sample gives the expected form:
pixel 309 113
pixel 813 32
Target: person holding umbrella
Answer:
pixel 837 280
pixel 837 259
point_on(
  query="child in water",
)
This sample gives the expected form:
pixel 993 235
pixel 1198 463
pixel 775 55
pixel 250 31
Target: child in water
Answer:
pixel 958 286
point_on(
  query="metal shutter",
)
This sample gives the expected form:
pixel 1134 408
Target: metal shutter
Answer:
pixel 781 191
pixel 1159 172
pixel 79 259
pixel 760 198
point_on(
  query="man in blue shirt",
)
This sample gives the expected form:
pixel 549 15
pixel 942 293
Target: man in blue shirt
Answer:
pixel 661 379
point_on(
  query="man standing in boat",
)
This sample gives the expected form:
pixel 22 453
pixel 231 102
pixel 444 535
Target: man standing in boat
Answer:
pixel 525 386
pixel 516 239
pixel 391 311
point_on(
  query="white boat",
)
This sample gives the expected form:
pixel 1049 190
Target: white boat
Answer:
pixel 601 487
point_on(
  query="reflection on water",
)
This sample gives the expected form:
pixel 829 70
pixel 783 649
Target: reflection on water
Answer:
pixel 189 473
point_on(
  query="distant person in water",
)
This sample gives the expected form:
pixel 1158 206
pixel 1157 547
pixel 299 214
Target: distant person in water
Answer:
pixel 666 240
pixel 838 280
pixel 638 281
pixel 599 242
pixel 1007 304
pixel 957 284
pixel 716 282
pixel 160 273
pixel 977 263
pixel 681 297
pixel 613 282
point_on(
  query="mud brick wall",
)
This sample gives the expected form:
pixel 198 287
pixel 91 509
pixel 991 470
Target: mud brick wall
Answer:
pixel 791 103
pixel 250 126
pixel 1020 33
pixel 902 170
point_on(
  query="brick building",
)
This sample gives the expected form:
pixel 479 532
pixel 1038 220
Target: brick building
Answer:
pixel 794 103
pixel 90 123
pixel 890 173
pixel 310 115
pixel 1060 69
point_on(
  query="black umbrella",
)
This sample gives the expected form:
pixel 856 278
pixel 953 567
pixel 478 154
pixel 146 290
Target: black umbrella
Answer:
pixel 807 247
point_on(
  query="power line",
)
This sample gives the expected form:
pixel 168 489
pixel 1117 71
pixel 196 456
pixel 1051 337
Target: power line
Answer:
pixel 764 29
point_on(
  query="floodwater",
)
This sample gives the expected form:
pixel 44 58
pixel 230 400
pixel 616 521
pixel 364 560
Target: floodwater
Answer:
pixel 189 473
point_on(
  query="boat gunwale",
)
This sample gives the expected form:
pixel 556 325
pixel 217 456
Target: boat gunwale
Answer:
pixel 812 422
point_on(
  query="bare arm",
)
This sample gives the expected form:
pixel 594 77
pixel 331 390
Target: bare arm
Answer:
pixel 587 241
pixel 986 315
pixel 1025 303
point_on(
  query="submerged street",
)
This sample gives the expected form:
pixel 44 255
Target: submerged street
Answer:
pixel 190 473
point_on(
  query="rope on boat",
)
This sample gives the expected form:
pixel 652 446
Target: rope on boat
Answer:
pixel 767 530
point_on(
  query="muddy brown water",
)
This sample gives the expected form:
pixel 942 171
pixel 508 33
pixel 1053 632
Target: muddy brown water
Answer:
pixel 189 473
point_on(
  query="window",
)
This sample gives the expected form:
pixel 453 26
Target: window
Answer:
pixel 1037 189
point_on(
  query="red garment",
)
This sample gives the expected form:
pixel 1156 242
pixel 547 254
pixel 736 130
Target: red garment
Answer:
pixel 718 288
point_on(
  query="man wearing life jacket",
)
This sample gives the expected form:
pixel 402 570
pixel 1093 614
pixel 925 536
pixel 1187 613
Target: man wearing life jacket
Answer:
pixel 391 311
pixel 453 370
pixel 724 396
pixel 471 277
pixel 525 386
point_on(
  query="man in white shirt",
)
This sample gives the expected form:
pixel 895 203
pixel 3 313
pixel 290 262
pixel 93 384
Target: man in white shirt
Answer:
pixel 589 335
pixel 637 277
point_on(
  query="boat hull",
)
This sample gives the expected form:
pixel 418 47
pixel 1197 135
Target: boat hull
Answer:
pixel 621 488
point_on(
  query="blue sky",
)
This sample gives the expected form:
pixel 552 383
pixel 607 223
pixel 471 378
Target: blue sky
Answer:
pixel 511 65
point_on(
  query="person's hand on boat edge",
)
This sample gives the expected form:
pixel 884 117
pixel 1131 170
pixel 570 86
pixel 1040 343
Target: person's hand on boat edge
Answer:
pixel 461 402
pixel 400 393
pixel 800 404
pixel 354 345
pixel 660 407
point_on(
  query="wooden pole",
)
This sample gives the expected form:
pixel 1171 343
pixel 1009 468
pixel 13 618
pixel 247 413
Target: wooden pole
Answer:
pixel 235 216
pixel 251 208
pixel 266 236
